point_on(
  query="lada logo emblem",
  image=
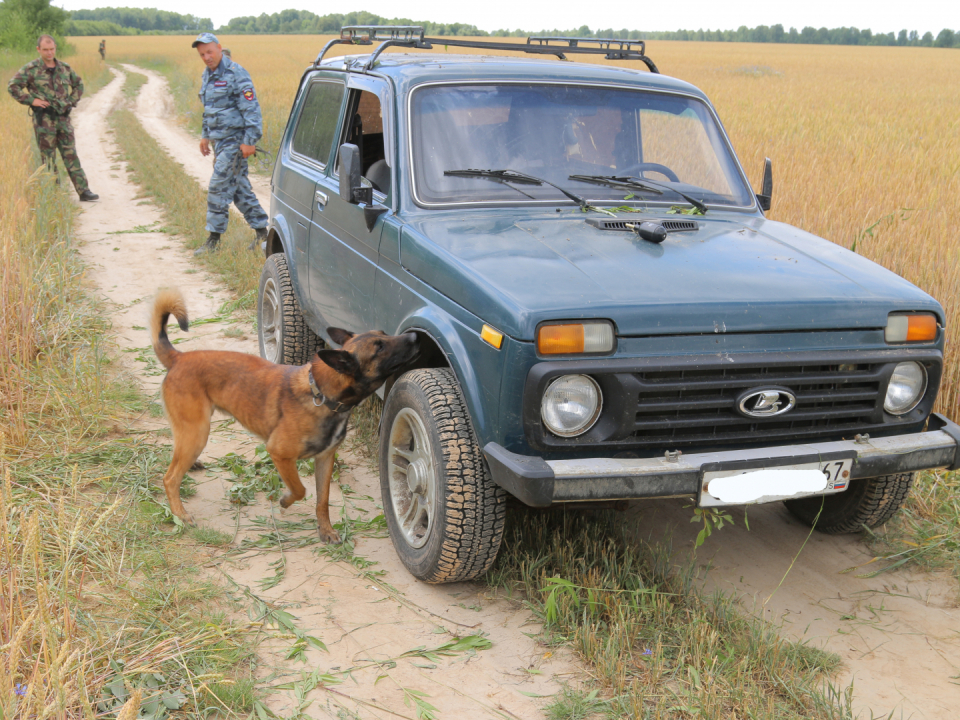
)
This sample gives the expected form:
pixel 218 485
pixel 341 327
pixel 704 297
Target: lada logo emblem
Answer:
pixel 766 402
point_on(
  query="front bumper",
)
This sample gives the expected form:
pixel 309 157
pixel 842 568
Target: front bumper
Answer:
pixel 540 483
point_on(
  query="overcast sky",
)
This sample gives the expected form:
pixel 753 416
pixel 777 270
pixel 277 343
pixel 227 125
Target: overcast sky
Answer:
pixel 882 16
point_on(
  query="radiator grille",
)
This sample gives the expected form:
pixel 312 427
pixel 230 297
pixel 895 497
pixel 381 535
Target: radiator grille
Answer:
pixel 687 407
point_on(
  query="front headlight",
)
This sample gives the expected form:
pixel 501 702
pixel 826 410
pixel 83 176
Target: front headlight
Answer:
pixel 571 405
pixel 907 384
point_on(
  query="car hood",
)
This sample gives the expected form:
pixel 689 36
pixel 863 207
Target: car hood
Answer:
pixel 734 274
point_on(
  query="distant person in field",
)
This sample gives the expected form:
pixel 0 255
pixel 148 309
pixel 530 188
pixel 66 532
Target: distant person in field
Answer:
pixel 51 89
pixel 226 51
pixel 232 122
pixel 103 50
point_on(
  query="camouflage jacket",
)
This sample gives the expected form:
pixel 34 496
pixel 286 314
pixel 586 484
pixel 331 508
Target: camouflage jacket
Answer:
pixel 62 89
pixel 230 106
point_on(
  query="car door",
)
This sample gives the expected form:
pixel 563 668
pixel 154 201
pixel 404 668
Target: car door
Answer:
pixel 307 157
pixel 344 252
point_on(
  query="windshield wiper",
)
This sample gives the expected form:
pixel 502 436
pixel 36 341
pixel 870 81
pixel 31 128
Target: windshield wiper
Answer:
pixel 629 183
pixel 613 181
pixel 512 176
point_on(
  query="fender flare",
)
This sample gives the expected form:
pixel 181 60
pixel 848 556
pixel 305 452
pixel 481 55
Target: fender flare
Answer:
pixel 442 332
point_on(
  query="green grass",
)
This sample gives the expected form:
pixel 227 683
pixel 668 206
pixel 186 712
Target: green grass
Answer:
pixel 211 536
pixel 655 644
pixel 133 83
pixel 925 533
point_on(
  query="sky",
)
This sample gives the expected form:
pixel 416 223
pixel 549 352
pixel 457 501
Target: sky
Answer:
pixel 882 16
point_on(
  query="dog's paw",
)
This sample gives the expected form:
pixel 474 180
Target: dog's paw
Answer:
pixel 287 500
pixel 198 466
pixel 329 535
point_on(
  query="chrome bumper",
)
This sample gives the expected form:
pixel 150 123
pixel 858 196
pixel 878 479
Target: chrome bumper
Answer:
pixel 539 483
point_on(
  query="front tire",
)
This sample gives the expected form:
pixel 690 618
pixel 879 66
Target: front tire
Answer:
pixel 284 335
pixel 444 512
pixel 870 502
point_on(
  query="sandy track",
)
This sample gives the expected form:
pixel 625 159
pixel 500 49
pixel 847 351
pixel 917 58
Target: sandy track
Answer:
pixel 897 633
pixel 364 619
pixel 154 109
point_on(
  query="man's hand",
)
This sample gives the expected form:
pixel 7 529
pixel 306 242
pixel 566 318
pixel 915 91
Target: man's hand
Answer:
pixel 247 150
pixel 205 146
pixel 40 103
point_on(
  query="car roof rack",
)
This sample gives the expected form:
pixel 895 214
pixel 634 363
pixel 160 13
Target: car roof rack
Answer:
pixel 412 36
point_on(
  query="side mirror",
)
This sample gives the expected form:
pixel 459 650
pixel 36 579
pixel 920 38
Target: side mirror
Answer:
pixel 350 188
pixel 766 192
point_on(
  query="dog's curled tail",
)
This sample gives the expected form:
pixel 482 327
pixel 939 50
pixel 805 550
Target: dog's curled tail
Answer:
pixel 168 302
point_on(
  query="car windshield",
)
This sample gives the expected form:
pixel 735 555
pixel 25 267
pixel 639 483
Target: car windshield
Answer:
pixel 554 132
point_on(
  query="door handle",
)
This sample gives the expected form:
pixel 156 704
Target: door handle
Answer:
pixel 320 197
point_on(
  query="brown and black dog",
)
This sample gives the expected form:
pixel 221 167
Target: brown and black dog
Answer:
pixel 300 412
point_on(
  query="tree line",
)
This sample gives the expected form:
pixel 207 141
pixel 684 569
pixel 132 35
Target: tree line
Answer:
pixel 304 21
pixel 22 21
pixel 133 21
pixel 777 34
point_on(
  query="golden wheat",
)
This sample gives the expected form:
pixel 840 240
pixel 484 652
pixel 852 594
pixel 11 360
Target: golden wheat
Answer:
pixel 865 140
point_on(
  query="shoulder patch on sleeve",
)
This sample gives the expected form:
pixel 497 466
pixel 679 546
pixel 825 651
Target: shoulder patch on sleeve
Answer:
pixel 248 93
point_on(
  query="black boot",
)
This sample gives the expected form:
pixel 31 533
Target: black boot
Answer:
pixel 258 239
pixel 211 245
pixel 86 195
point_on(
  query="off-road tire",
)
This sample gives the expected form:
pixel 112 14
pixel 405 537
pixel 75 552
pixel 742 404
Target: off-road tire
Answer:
pixel 281 330
pixel 468 507
pixel 870 502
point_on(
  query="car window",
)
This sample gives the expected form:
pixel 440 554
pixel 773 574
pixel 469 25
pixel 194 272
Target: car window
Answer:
pixel 680 141
pixel 555 131
pixel 317 125
pixel 364 128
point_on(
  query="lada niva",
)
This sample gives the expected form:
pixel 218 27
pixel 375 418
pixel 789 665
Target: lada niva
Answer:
pixel 604 311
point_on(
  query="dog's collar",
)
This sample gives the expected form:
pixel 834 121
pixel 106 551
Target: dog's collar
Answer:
pixel 320 399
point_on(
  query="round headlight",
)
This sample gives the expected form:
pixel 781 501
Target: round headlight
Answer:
pixel 571 405
pixel 907 384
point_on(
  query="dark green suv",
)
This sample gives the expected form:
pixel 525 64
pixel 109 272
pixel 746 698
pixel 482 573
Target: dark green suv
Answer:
pixel 605 313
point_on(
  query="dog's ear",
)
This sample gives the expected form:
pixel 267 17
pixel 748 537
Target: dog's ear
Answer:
pixel 338 335
pixel 341 361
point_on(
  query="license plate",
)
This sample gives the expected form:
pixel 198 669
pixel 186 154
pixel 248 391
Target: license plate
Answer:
pixel 747 486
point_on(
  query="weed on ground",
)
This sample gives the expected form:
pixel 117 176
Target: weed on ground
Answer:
pixel 654 643
pixel 926 531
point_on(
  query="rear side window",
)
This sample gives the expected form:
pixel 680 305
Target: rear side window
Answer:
pixel 317 124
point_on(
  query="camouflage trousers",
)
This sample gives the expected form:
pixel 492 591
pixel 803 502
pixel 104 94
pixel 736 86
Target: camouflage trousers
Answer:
pixel 230 184
pixel 56 131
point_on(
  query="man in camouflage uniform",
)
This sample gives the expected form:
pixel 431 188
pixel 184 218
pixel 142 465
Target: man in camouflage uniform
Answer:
pixel 232 121
pixel 51 90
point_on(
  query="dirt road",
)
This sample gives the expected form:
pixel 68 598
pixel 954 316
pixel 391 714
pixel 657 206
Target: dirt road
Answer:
pixel 365 608
pixel 897 633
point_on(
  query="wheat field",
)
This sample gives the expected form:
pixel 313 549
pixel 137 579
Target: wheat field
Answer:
pixel 865 141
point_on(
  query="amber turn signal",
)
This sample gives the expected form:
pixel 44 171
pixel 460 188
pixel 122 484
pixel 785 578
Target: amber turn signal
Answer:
pixel 491 336
pixel 560 339
pixel 575 338
pixel 911 328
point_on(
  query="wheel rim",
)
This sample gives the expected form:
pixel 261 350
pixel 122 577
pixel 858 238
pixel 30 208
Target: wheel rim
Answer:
pixel 412 477
pixel 270 313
